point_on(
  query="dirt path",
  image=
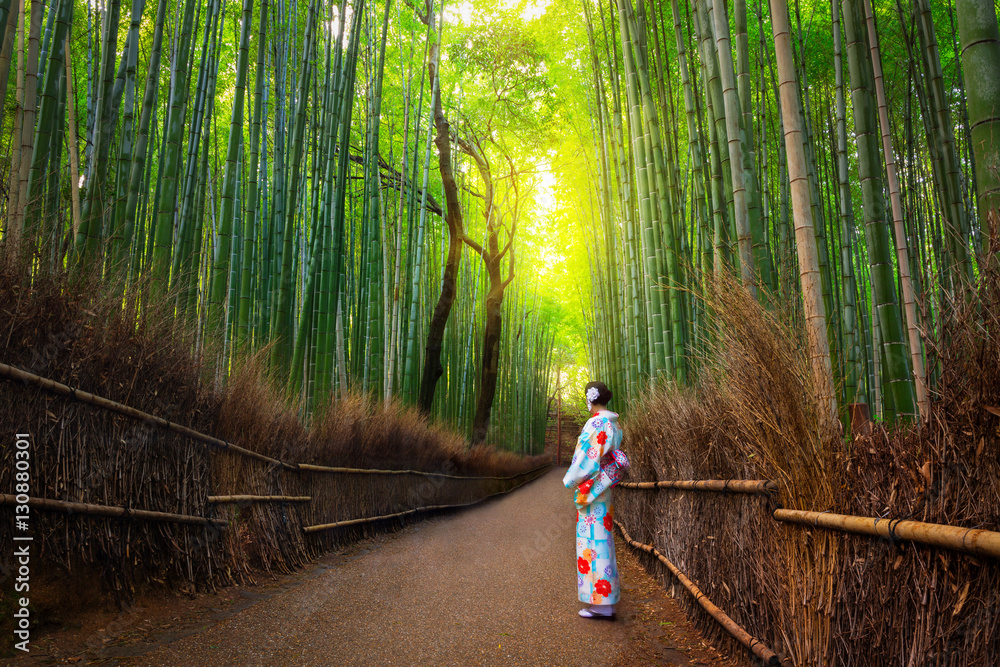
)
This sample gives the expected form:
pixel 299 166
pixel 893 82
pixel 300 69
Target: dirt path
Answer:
pixel 491 585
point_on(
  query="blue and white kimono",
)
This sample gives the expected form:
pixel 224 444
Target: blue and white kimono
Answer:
pixel 597 569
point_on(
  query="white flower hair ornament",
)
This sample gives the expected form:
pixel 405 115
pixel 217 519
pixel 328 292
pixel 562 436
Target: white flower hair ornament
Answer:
pixel 592 395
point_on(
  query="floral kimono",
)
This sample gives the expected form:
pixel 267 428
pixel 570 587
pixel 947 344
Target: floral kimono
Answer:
pixel 597 569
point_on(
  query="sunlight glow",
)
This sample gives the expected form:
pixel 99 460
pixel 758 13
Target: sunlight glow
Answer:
pixel 545 198
pixel 534 9
pixel 531 10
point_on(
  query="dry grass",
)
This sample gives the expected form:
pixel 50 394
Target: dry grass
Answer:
pixel 825 598
pixel 75 330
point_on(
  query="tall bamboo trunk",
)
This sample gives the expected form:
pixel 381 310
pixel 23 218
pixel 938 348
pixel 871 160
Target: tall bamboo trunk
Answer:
pixel 809 275
pixel 902 253
pixel 852 373
pixel 10 11
pixel 894 342
pixel 980 39
pixel 171 160
pixel 282 332
pixel 731 104
pixel 221 265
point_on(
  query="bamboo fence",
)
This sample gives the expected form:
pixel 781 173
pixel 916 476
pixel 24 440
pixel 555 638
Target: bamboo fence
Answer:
pixel 17 374
pixel 966 540
pixel 221 518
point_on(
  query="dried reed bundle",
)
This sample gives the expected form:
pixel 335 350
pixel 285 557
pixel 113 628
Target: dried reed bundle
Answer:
pixel 821 597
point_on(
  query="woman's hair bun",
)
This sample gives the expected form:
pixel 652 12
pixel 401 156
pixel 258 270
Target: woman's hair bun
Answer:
pixel 598 392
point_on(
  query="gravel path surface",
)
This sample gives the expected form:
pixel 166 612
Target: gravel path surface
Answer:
pixel 491 585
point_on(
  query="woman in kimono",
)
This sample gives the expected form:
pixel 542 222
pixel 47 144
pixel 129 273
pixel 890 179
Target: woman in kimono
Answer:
pixel 597 570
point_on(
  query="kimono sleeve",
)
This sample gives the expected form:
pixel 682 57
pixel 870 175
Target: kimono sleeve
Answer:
pixel 586 458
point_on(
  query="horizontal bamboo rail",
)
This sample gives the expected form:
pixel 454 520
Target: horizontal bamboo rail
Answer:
pixel 957 538
pixel 762 486
pixel 426 508
pixel 107 510
pixel 373 471
pixel 13 373
pixel 742 636
pixel 971 540
pixel 222 500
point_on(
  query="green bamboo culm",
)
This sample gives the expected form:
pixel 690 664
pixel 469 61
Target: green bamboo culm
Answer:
pixel 980 42
pixel 170 167
pixel 282 320
pixel 49 109
pixel 221 266
pixel 91 227
pixel 894 343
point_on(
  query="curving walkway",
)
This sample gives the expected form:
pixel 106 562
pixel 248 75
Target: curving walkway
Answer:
pixel 491 585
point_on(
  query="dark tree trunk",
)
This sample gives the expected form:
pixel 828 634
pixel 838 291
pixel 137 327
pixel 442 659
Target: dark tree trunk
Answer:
pixel 493 257
pixel 456 233
pixel 491 356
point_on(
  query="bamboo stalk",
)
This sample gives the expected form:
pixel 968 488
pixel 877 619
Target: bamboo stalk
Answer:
pixel 902 252
pixel 761 486
pixel 223 500
pixel 74 158
pixel 107 510
pixel 742 636
pixel 969 540
pixel 809 266
pixel 426 508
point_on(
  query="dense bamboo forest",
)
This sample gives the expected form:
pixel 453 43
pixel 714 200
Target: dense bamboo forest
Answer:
pixel 322 184
pixel 841 158
pixel 443 205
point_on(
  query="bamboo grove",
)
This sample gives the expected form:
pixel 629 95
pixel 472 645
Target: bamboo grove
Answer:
pixel 268 169
pixel 841 158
